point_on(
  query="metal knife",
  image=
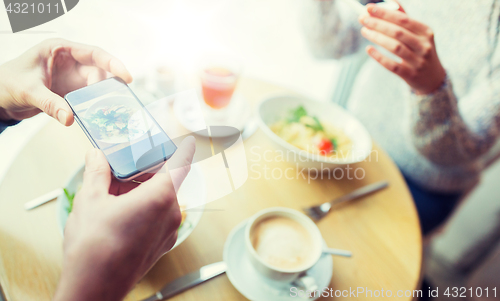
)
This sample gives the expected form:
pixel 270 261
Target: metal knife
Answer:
pixel 188 281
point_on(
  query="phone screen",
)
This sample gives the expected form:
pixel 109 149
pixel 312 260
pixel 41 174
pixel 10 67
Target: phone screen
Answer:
pixel 117 123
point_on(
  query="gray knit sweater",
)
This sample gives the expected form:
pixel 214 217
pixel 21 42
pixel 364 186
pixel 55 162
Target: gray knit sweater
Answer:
pixel 437 140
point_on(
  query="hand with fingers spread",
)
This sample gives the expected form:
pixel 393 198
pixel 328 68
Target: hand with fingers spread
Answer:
pixel 117 231
pixel 38 79
pixel 410 40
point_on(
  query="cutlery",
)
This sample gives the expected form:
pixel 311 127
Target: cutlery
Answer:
pixel 318 212
pixel 188 281
pixel 337 252
pixel 43 199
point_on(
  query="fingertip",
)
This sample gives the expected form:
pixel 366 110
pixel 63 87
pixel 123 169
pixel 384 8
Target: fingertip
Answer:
pixel 128 78
pixel 371 8
pixel 70 120
pixel 183 155
pixel 364 31
pixel 97 175
pixel 125 75
pixel 188 144
pixel 190 140
pixel 94 155
pixel 64 117
pixel 90 156
pixel 121 71
pixel 370 50
pixel 95 160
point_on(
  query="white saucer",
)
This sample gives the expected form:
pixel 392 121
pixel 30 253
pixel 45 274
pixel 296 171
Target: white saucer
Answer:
pixel 248 282
pixel 195 116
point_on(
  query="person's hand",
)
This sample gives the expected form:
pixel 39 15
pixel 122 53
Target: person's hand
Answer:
pixel 116 232
pixel 38 79
pixel 410 40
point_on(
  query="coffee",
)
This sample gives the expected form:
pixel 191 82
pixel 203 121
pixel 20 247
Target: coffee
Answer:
pixel 282 242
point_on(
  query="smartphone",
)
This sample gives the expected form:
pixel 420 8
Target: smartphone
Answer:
pixel 116 122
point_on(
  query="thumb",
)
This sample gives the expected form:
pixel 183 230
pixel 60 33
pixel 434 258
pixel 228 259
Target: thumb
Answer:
pixel 159 186
pixel 180 163
pixel 97 175
pixel 53 105
pixel 401 9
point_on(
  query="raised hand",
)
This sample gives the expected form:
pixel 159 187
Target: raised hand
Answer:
pixel 410 40
pixel 37 80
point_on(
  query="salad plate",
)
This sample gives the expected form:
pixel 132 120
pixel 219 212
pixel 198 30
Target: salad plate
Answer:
pixel 191 194
pixel 277 109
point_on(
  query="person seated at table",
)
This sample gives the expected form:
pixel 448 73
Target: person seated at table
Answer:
pixel 116 231
pixel 430 95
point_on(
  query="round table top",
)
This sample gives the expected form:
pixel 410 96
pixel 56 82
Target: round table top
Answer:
pixel 382 230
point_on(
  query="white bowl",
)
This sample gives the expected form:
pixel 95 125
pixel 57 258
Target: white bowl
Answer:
pixel 192 190
pixel 277 107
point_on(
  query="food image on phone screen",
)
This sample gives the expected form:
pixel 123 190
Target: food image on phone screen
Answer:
pixel 117 123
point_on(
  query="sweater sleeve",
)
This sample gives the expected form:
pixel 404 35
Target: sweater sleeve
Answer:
pixel 6 124
pixel 331 28
pixel 448 130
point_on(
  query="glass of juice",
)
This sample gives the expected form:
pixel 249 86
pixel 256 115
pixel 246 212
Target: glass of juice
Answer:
pixel 218 81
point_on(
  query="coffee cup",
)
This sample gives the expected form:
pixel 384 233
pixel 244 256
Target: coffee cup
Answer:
pixel 282 244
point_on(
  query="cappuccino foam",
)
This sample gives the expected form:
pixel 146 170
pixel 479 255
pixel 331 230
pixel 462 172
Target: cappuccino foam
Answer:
pixel 282 242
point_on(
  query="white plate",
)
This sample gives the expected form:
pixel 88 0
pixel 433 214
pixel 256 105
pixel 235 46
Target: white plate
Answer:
pixel 192 190
pixel 250 284
pixel 275 108
pixel 195 116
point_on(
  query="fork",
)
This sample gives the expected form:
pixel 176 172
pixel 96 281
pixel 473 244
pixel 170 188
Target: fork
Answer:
pixel 318 212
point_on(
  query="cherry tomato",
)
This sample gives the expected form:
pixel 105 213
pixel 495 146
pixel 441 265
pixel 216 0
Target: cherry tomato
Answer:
pixel 325 147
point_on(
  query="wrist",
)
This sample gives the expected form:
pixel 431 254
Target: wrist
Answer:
pixel 4 115
pixel 5 97
pixel 440 80
pixel 93 271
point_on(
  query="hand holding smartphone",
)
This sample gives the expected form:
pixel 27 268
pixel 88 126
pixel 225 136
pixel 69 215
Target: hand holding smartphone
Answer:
pixel 116 122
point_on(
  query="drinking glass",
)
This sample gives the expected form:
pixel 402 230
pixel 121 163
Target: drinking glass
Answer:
pixel 219 76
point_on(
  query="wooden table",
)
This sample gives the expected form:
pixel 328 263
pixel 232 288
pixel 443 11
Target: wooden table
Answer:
pixel 382 230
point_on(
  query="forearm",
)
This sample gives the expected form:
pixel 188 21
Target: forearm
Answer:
pixel 4 116
pixel 330 28
pixel 441 133
pixel 4 97
pixel 6 119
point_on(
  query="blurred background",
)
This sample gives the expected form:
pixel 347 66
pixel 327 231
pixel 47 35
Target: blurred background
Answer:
pixel 264 34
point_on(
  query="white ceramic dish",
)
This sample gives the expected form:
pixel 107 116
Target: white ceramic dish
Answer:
pixel 277 107
pixel 192 190
pixel 245 278
pixel 195 116
pixel 278 275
